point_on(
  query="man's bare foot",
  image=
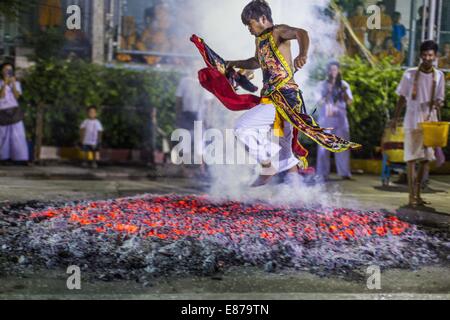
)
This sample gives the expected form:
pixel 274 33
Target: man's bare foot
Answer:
pixel 413 202
pixel 263 179
pixel 422 202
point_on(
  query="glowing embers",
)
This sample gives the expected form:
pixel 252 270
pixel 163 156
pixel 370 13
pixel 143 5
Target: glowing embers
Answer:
pixel 176 217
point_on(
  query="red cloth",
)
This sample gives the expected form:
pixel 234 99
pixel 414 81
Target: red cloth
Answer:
pixel 216 83
pixel 297 148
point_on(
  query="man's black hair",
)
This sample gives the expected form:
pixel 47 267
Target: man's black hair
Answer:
pixel 255 10
pixel 397 15
pixel 429 45
pixel 90 108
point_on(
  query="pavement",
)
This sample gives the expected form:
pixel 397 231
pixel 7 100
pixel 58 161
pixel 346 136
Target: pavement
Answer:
pixel 243 283
pixel 67 182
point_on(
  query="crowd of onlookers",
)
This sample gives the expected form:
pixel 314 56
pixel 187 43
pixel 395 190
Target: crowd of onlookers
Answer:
pixel 13 142
pixel 157 35
pixel 390 40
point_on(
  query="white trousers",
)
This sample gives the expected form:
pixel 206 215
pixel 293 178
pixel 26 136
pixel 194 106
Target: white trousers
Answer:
pixel 255 130
pixel 413 146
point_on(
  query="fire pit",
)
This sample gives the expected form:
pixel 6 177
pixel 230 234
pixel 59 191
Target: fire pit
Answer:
pixel 150 236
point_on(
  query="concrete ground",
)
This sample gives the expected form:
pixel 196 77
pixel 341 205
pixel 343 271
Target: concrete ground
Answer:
pixel 19 184
pixel 238 283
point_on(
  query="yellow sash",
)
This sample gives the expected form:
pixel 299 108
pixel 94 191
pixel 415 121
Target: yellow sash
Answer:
pixel 278 125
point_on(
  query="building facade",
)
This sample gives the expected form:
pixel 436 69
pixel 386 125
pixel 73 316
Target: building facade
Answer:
pixel 144 32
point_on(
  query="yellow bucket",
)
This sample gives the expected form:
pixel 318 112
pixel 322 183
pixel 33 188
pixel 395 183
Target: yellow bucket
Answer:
pixel 392 144
pixel 435 134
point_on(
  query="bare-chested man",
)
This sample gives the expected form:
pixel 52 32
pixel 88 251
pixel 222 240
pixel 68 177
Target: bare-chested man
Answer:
pixel 281 112
pixel 254 127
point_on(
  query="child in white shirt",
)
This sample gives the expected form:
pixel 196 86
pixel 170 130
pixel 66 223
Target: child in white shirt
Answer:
pixel 91 136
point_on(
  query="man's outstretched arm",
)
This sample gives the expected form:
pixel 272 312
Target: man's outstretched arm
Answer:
pixel 249 64
pixel 286 33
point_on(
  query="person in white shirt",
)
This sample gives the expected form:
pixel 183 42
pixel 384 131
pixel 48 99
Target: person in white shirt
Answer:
pixel 192 104
pixel 422 91
pixel 91 136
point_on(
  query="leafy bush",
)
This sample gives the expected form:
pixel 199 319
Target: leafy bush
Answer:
pixel 125 99
pixel 374 101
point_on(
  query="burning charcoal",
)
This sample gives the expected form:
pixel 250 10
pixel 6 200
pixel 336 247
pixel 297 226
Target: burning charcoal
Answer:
pixel 153 236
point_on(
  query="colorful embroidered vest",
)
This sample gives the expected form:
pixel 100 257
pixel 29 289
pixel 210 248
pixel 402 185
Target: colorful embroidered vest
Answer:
pixel 277 73
pixel 281 90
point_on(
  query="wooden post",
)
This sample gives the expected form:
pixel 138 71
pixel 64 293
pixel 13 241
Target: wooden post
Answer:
pixel 98 31
pixel 412 34
pixel 154 132
pixel 39 133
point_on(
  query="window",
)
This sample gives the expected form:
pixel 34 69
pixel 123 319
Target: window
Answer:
pixel 154 32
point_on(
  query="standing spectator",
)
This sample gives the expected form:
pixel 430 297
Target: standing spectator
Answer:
pixel 378 36
pixel 91 136
pixel 378 47
pixel 13 144
pixel 359 25
pixel 422 92
pixel 389 50
pixel 191 105
pixel 50 14
pixel 341 36
pixel 444 61
pixel 335 96
pixel 128 38
pixel 398 32
pixel 155 36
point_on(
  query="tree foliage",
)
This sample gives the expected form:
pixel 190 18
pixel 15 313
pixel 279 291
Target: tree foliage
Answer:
pixel 375 99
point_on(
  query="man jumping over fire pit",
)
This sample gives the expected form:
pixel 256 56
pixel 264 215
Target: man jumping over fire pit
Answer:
pixel 280 111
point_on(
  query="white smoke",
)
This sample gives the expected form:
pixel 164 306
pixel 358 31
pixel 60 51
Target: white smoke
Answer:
pixel 222 29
